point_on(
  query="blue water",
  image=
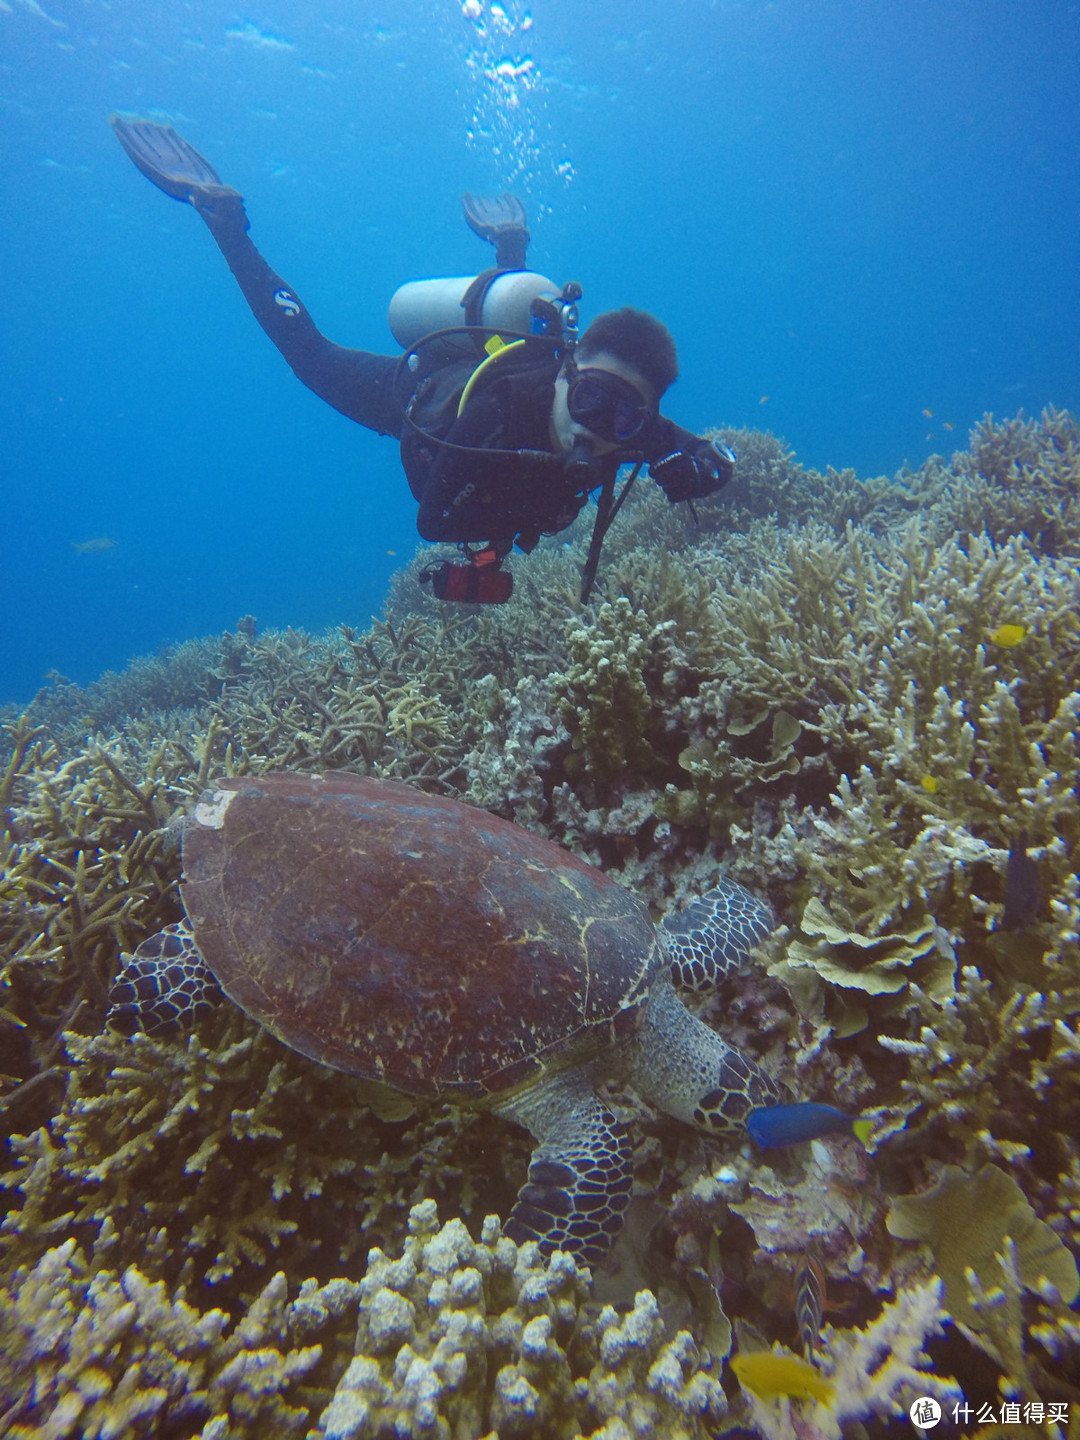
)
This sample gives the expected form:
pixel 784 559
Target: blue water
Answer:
pixel 859 210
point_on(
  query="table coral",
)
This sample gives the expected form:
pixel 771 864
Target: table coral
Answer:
pixel 992 1253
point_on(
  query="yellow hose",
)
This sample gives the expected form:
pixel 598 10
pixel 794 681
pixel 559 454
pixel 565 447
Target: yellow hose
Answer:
pixel 497 348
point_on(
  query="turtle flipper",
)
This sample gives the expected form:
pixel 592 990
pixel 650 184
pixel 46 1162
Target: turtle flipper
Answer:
pixel 686 1069
pixel 580 1173
pixel 164 987
pixel 712 936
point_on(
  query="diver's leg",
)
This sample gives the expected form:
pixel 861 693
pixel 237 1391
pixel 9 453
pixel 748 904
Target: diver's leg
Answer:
pixel 356 382
pixel 501 221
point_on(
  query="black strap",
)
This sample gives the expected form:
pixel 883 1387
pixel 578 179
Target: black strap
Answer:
pixel 607 507
pixel 472 302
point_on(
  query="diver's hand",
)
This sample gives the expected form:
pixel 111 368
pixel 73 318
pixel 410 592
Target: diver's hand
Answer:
pixel 699 469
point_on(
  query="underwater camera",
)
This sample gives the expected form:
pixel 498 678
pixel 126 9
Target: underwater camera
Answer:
pixel 480 582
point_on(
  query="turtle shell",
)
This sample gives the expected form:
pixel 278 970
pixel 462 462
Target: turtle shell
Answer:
pixel 412 940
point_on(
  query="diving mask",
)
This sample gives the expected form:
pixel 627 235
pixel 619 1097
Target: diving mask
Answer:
pixel 606 404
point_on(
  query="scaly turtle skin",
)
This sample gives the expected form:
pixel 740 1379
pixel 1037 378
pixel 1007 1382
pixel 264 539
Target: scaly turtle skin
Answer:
pixel 440 953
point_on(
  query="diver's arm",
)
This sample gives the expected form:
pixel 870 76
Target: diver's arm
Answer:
pixel 685 466
pixel 357 383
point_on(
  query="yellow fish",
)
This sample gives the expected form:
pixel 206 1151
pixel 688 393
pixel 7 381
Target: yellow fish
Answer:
pixel 929 784
pixel 771 1376
pixel 92 547
pixel 1008 635
pixel 763 399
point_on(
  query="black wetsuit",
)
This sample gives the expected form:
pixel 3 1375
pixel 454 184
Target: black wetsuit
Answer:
pixel 463 495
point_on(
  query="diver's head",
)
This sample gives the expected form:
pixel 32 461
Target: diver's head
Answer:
pixel 608 391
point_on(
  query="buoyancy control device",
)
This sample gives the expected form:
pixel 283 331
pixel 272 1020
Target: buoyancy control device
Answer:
pixel 488 318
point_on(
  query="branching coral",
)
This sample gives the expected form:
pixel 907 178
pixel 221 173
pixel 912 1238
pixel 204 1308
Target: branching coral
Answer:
pixel 462 1338
pixel 994 1078
pixel 89 1350
pixel 608 708
pixel 1017 476
pixel 866 703
pixel 877 1371
pixel 232 1150
pixel 88 872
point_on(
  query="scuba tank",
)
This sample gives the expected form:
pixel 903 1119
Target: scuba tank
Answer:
pixel 495 300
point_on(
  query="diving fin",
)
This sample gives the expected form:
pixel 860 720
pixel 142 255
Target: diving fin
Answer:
pixel 166 159
pixel 499 219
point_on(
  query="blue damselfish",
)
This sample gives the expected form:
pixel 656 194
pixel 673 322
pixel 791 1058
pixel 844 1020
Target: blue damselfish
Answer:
pixel 775 1125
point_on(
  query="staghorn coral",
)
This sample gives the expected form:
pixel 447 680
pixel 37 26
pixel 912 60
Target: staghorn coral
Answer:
pixel 876 1371
pixel 88 872
pixel 231 1150
pixel 1018 476
pixel 88 1350
pixel 984 1074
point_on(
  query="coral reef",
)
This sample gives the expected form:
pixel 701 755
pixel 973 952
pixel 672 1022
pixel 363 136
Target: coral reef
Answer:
pixel 458 1337
pixel 877 1371
pixel 965 1220
pixel 87 1350
pixel 860 698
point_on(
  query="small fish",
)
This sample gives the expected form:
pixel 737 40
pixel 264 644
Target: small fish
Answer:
pixel 773 1126
pixel 1008 635
pixel 929 784
pixel 1023 891
pixel 947 425
pixel 763 399
pixel 96 546
pixel 772 1376
pixel 929 414
pixel 809 1303
pixel 391 552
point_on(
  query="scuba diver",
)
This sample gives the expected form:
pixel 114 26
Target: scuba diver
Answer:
pixel 507 421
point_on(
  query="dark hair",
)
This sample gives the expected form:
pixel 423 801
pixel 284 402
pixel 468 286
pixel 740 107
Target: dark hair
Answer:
pixel 636 338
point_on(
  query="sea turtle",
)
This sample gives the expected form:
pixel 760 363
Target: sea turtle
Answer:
pixel 440 953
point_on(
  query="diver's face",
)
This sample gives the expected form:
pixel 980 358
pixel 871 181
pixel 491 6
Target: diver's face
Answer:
pixel 565 430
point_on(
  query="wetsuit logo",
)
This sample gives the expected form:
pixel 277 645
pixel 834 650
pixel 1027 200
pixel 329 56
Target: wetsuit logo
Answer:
pixel 288 302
